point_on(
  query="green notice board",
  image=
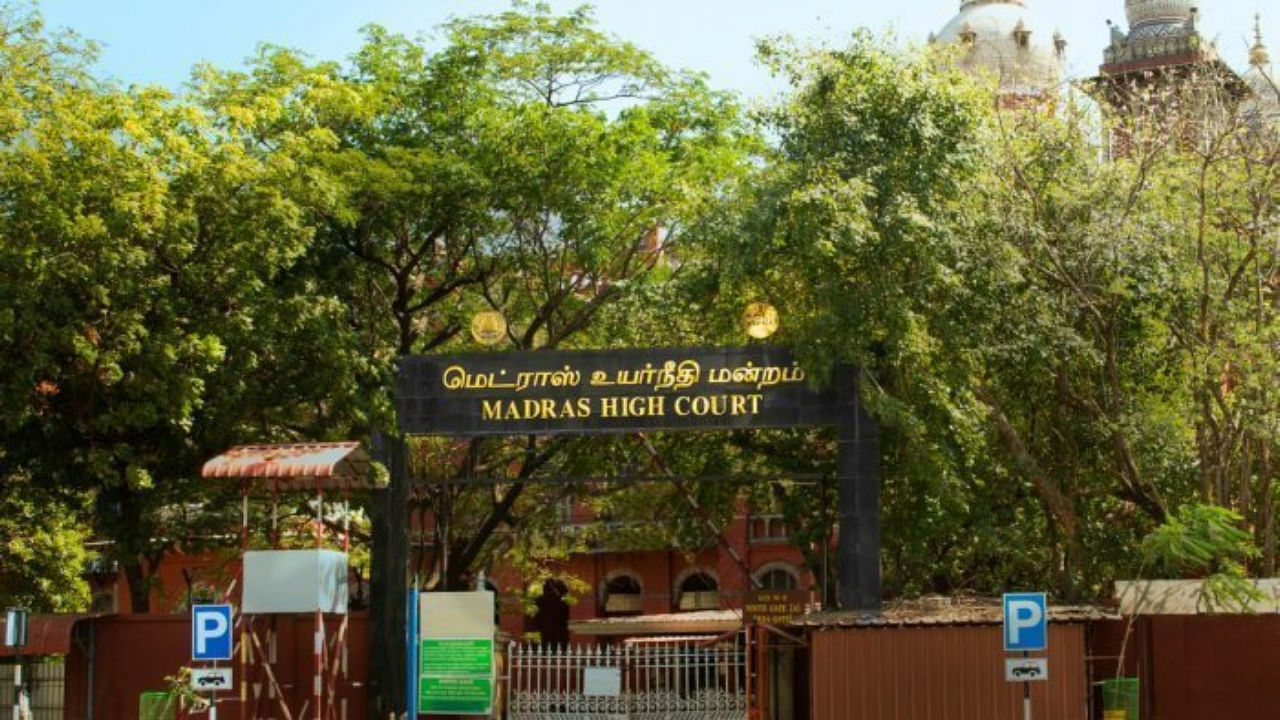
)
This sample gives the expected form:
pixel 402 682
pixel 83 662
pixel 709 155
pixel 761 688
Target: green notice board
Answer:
pixel 455 695
pixel 455 676
pixel 468 656
pixel 455 661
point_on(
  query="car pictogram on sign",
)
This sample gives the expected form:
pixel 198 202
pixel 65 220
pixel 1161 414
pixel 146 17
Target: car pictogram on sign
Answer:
pixel 1030 669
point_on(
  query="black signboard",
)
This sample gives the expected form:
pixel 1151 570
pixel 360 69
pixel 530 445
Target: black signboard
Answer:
pixel 611 391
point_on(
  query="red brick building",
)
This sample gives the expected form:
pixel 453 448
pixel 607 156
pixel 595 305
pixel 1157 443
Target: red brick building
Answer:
pixel 674 590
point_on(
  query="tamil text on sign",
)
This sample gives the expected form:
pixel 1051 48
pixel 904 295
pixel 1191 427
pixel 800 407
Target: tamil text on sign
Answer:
pixel 610 391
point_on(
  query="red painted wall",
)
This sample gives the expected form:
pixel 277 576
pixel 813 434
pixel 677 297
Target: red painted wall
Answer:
pixel 1194 667
pixel 133 654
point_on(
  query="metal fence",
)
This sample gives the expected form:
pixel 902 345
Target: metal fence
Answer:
pixel 44 682
pixel 675 679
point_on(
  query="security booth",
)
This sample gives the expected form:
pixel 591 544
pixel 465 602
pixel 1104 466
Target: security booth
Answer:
pixel 280 586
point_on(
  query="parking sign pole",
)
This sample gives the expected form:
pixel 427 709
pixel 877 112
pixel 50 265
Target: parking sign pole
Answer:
pixel 17 690
pixel 1027 696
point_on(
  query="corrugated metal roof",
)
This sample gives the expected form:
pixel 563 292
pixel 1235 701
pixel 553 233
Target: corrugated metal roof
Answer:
pixel 296 466
pixel 701 621
pixel 1188 597
pixel 944 611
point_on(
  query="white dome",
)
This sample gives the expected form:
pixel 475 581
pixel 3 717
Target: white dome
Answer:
pixel 1164 12
pixel 1005 39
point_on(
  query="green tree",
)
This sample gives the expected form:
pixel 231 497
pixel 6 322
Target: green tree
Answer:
pixel 532 165
pixel 42 550
pixel 149 314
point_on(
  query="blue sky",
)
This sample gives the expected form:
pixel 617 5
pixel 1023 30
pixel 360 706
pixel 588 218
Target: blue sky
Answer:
pixel 158 41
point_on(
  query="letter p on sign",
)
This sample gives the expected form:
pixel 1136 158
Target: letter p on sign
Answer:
pixel 210 632
pixel 1025 622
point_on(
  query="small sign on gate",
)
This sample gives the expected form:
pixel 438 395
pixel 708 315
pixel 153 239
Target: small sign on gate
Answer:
pixel 1026 669
pixel 774 607
pixel 602 682
pixel 210 679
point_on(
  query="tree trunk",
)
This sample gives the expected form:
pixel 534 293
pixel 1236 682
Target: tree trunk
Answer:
pixel 139 585
pixel 388 584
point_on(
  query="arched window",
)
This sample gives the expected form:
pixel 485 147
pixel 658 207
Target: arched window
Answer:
pixel 777 579
pixel 698 591
pixel 623 594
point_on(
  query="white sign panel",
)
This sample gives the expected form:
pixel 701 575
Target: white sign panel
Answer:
pixel 15 628
pixel 456 615
pixel 1026 669
pixel 210 679
pixel 601 682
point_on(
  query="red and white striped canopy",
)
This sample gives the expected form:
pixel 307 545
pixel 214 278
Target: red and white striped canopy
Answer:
pixel 296 466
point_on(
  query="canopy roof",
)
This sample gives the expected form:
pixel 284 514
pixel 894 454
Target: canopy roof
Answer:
pixel 701 621
pixel 296 466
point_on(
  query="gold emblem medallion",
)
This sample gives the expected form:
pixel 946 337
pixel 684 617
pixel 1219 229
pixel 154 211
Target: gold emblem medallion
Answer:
pixel 760 320
pixel 488 327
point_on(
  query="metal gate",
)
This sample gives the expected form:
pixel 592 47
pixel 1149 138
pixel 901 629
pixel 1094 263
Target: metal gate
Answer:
pixel 44 682
pixel 671 679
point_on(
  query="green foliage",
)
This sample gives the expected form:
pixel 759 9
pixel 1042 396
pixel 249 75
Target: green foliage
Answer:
pixel 42 551
pixel 148 310
pixel 1059 346
pixel 1199 540
pixel 1206 542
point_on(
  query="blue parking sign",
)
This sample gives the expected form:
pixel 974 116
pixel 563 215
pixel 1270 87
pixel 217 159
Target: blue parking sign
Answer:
pixel 211 632
pixel 1025 621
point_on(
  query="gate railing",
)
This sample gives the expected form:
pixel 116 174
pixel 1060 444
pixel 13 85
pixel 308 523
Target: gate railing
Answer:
pixel 675 680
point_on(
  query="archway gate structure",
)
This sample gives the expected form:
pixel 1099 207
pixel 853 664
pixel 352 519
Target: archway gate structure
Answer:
pixel 635 390
pixel 554 392
pixel 629 391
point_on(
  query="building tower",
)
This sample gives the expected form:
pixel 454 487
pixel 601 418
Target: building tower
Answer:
pixel 1262 109
pixel 1164 62
pixel 1004 40
pixel 1162 34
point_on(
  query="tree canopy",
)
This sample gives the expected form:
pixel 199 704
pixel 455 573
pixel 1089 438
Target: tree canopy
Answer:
pixel 1070 343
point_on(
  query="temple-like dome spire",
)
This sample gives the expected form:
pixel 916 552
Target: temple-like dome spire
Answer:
pixel 1258 55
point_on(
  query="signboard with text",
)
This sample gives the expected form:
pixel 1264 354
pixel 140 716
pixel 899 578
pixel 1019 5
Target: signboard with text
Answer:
pixel 774 607
pixel 449 695
pixel 456 659
pixel 451 656
pixel 600 391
